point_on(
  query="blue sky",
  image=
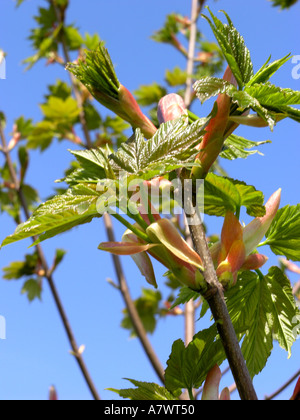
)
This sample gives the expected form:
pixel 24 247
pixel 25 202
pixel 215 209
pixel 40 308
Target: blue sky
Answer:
pixel 35 353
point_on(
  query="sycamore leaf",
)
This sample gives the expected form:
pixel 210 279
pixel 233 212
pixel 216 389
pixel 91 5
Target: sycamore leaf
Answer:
pixel 233 47
pixel 97 72
pixel 33 289
pixel 284 234
pixel 171 145
pixel 149 94
pixel 284 4
pixel 268 94
pixel 60 110
pixel 18 269
pixel 208 87
pixel 148 309
pixel 145 391
pixel 263 308
pixel 238 147
pixel 267 70
pixel 185 295
pixel 189 366
pixel 224 194
pixel 77 206
pixel 285 311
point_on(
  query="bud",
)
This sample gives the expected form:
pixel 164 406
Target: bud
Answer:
pixel 52 394
pixel 97 74
pixel 14 141
pixel 231 254
pixel 211 386
pixel 213 141
pixel 256 230
pixel 296 394
pixel 133 114
pixel 171 107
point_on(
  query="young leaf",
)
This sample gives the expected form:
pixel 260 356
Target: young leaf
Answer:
pixel 285 311
pixel 148 308
pixel 172 144
pixel 267 70
pixel 263 308
pixel 33 289
pixel 284 4
pixel 185 295
pixel 238 147
pixel 145 391
pixel 18 269
pixel 188 366
pixel 224 194
pixel 63 212
pixel 233 47
pixel 284 234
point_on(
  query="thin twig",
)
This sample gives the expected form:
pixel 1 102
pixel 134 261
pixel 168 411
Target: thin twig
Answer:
pixel 283 387
pixel 196 10
pixel 48 276
pixel 133 314
pixel 190 307
pixel 132 311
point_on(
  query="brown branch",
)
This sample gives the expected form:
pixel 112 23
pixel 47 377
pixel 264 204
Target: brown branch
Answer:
pixel 283 387
pixel 215 298
pixel 132 311
pixel 196 10
pixel 133 314
pixel 48 274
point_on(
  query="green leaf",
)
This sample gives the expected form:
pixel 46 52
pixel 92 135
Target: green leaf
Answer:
pixel 59 256
pixel 97 72
pixel 42 135
pixel 94 166
pixel 173 143
pixel 284 4
pixel 33 289
pixel 188 366
pixel 91 41
pixel 61 111
pixel 263 308
pixel 185 295
pixel 276 99
pixel 267 70
pixel 208 87
pixel 176 77
pixel 149 94
pixel 60 90
pixel 233 47
pixel 73 38
pixel 224 194
pixel 18 269
pixel 238 147
pixel 270 95
pixel 285 312
pixel 148 309
pixel 77 206
pixel 145 391
pixel 284 234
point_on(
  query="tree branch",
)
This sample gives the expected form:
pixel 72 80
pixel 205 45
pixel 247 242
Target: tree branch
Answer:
pixel 215 298
pixel 196 10
pixel 48 275
pixel 283 387
pixel 132 311
pixel 133 314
